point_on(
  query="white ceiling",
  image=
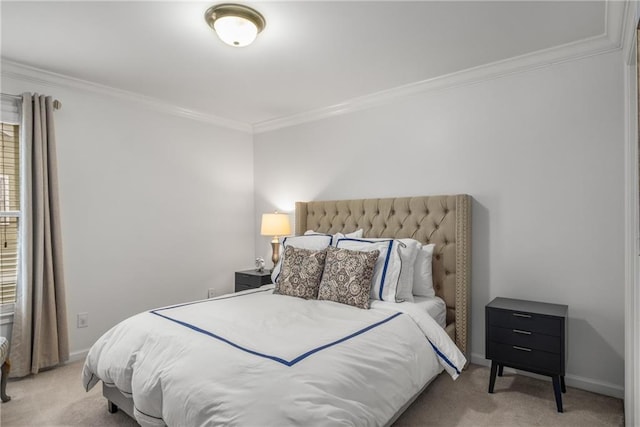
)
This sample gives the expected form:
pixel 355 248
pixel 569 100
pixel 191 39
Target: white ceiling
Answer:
pixel 311 54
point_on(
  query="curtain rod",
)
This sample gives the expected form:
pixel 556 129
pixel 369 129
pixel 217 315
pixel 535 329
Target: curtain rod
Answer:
pixel 56 104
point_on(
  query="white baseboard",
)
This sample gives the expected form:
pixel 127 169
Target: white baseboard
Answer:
pixel 588 384
pixel 78 355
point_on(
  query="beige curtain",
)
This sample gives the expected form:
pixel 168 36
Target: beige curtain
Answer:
pixel 40 338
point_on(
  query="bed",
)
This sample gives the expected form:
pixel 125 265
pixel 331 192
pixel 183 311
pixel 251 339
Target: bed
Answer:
pixel 255 358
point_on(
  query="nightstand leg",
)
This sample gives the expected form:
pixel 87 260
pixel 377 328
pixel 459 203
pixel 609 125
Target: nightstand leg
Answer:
pixel 492 378
pixel 557 392
pixel 500 368
pixel 562 386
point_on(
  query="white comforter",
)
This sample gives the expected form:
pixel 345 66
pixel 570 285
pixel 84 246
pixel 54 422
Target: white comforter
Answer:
pixel 258 359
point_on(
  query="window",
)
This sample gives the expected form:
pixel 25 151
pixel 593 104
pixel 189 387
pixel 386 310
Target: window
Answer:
pixel 9 211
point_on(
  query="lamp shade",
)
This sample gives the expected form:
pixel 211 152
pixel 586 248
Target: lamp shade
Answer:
pixel 275 224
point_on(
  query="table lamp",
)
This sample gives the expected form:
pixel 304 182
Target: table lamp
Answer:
pixel 275 224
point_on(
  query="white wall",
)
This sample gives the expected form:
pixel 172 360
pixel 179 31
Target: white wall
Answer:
pixel 541 153
pixel 149 204
pixel 632 225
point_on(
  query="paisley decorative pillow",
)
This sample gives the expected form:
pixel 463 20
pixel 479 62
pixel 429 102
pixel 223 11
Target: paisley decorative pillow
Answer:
pixel 315 242
pixel 301 272
pixel 347 276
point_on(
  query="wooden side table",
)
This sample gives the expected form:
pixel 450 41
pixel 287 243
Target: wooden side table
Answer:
pixel 527 335
pixel 250 279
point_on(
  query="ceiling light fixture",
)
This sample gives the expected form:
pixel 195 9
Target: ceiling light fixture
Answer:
pixel 235 24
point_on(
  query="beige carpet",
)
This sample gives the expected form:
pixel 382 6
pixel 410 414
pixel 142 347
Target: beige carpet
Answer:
pixel 56 398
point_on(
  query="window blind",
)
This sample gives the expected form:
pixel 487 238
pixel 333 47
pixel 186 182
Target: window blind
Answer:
pixel 9 109
pixel 9 210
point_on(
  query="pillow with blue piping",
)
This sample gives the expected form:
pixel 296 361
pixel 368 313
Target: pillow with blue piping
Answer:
pixel 394 271
pixel 314 242
pixel 355 235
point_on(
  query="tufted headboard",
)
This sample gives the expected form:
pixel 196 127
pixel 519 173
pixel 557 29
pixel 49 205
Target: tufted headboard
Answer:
pixel 442 220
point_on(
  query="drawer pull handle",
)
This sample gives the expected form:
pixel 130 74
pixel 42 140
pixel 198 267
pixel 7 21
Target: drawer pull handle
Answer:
pixel 528 316
pixel 518 331
pixel 521 348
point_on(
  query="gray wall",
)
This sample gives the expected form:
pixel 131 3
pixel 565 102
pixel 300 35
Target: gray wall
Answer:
pixel 541 152
pixel 156 209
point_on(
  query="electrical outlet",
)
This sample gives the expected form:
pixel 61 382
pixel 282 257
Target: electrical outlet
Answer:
pixel 212 293
pixel 83 320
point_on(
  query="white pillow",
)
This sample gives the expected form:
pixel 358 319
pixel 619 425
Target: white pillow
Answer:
pixel 423 272
pixel 355 235
pixel 393 274
pixel 314 242
pixel 407 250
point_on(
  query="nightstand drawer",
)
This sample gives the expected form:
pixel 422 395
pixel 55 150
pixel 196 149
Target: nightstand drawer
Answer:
pixel 525 321
pixel 525 357
pixel 252 279
pixel 240 288
pixel 523 338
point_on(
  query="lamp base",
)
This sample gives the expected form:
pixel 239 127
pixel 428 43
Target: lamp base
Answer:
pixel 275 248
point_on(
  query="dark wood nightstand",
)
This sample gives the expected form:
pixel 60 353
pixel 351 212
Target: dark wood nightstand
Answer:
pixel 249 279
pixel 527 335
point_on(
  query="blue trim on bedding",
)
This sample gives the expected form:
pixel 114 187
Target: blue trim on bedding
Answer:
pixel 275 358
pixel 386 261
pixel 86 386
pixel 384 272
pixel 348 337
pixel 443 357
pixel 147 415
pixel 218 337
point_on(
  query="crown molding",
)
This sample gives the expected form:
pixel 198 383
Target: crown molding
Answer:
pixel 615 20
pixel 610 40
pixel 620 21
pixel 18 71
